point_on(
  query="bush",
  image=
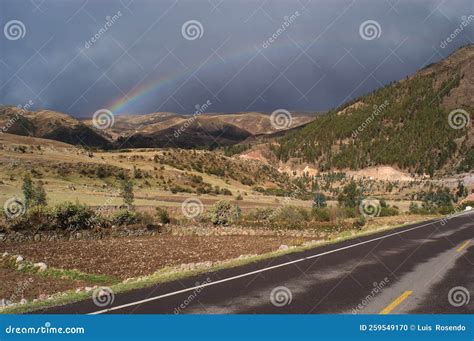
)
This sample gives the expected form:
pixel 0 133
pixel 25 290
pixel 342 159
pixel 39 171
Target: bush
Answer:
pixel 69 216
pixel 224 213
pixel 359 222
pixel 260 214
pixel 319 200
pixel 414 209
pixel 290 217
pixel 40 218
pixel 125 217
pixel 321 214
pixel 388 211
pixel 162 215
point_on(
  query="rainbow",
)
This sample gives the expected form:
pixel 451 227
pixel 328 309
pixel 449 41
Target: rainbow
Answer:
pixel 147 89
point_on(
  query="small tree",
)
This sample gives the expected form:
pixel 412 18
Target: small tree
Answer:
pixel 224 213
pixel 27 189
pixel 127 193
pixel 461 191
pixel 319 200
pixel 350 196
pixel 39 195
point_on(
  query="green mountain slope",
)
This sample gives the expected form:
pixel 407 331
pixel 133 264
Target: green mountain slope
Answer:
pixel 404 124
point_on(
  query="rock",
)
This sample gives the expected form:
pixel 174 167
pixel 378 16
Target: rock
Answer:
pixel 23 301
pixel 78 290
pixel 37 237
pixel 19 259
pixel 21 267
pixel 88 289
pixel 40 266
pixel 43 297
pixel 5 254
pixel 283 247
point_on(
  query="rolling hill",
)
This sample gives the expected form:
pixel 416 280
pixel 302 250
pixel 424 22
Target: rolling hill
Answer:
pixel 421 124
pixel 153 130
pixel 50 125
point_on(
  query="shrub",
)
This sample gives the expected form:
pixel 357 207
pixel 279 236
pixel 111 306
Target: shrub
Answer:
pixel 162 215
pixel 40 218
pixel 319 200
pixel 414 209
pixel 289 217
pixel 239 197
pixel 321 214
pixel 125 217
pixel 224 213
pixel 388 211
pixel 260 214
pixel 359 222
pixel 69 216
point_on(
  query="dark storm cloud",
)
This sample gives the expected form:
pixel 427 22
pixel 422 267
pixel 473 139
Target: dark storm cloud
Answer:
pixel 71 60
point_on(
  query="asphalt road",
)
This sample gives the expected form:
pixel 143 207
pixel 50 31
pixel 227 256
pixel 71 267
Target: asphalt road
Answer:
pixel 421 268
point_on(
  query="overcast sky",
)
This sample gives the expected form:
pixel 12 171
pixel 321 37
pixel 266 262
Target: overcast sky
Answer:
pixel 145 60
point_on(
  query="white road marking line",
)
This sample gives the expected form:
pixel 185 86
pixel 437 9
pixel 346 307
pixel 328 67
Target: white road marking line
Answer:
pixel 261 270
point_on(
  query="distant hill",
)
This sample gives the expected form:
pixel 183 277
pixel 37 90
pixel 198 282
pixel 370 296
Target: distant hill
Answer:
pixel 154 130
pixel 50 125
pixel 406 124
